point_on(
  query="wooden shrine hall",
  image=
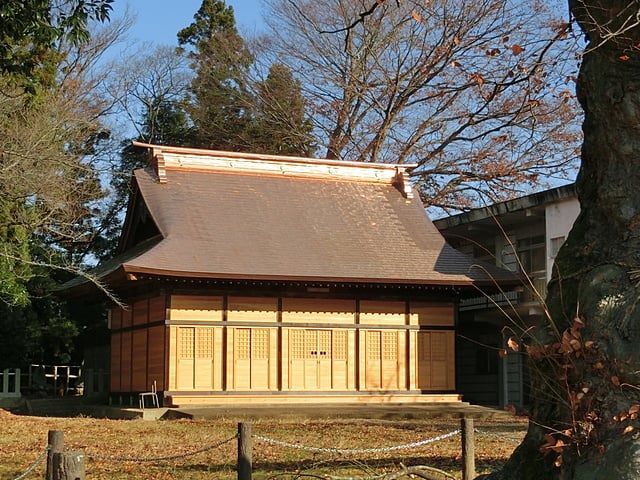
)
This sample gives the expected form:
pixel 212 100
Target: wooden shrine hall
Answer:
pixel 252 278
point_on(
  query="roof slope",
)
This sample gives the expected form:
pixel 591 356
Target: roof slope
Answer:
pixel 243 224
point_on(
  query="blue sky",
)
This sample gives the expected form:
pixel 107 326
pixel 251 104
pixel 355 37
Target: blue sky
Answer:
pixel 158 21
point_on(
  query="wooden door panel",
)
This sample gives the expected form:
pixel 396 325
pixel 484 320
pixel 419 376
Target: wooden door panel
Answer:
pixel 373 373
pixel 186 358
pixel 435 360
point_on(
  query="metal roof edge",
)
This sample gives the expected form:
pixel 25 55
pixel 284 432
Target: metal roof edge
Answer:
pixel 497 209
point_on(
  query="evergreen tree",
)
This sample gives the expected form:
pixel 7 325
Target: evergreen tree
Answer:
pixel 221 107
pixel 30 30
pixel 281 124
pixel 230 110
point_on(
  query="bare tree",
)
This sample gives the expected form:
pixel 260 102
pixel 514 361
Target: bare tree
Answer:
pixel 50 182
pixel 477 93
pixel 46 187
pixel 141 81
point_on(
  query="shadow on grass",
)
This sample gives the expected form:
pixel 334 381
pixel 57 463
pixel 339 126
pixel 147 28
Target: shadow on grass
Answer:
pixel 343 466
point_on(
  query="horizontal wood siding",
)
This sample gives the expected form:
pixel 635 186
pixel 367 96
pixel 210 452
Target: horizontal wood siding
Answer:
pixel 250 309
pixel 321 311
pixel 196 308
pixel 376 312
pixel 426 314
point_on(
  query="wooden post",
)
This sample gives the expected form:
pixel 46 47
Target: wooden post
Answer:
pixel 245 461
pixel 468 449
pixel 16 383
pixel 68 466
pixel 55 440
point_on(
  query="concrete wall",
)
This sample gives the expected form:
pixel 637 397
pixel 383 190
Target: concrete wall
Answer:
pixel 559 218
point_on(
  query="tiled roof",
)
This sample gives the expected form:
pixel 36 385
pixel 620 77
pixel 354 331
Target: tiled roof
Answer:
pixel 245 225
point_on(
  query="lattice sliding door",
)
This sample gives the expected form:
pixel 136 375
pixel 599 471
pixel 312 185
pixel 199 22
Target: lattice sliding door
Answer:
pixel 199 358
pixel 318 359
pixel 185 371
pixel 251 358
pixel 382 360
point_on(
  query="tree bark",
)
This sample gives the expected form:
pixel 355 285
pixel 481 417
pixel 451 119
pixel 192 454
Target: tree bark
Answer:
pixel 586 395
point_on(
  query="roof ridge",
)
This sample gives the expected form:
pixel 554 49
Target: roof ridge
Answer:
pixel 166 158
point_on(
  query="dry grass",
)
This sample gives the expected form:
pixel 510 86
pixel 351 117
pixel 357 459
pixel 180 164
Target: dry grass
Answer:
pixel 24 438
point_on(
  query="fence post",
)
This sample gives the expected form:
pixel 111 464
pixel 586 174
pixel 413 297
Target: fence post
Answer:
pixel 68 466
pixel 245 462
pixel 16 383
pixel 468 449
pixel 55 440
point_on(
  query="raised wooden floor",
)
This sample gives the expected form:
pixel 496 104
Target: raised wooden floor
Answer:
pixel 184 400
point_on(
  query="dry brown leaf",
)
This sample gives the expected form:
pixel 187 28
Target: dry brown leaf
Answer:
pixel 575 344
pixel 516 49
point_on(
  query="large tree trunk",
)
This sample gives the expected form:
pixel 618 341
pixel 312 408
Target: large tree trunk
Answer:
pixel 586 395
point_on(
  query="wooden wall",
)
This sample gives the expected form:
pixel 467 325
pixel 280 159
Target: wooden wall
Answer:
pixel 265 344
pixel 138 345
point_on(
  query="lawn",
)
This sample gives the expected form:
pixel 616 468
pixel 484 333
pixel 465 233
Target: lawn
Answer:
pixel 109 444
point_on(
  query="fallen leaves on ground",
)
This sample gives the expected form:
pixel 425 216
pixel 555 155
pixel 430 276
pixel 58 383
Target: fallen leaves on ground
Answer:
pixel 24 438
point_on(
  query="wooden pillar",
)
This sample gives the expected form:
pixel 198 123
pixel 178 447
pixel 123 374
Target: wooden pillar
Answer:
pixel 55 440
pixel 245 461
pixel 468 449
